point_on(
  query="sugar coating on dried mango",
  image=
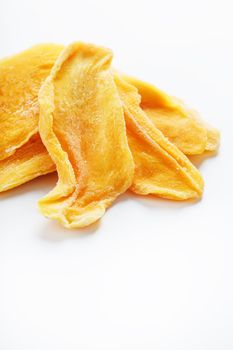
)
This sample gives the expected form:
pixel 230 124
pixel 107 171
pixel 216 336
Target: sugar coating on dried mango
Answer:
pixel 28 162
pixel 179 123
pixel 160 167
pixel 82 126
pixel 20 80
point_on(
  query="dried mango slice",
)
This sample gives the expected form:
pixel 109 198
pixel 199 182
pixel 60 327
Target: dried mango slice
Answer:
pixel 180 124
pixel 82 126
pixel 160 167
pixel 28 162
pixel 20 80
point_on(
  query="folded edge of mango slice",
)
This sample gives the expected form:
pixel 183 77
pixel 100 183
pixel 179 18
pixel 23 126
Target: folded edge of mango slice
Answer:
pixel 28 162
pixel 181 125
pixel 82 126
pixel 160 167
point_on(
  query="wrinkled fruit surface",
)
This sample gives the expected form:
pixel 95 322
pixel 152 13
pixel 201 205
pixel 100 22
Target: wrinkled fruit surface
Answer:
pixel 82 126
pixel 181 125
pixel 103 132
pixel 176 121
pixel 28 162
pixel 20 80
pixel 160 167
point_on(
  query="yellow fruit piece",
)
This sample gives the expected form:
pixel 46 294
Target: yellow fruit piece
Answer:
pixel 160 167
pixel 180 124
pixel 28 162
pixel 82 126
pixel 20 80
pixel 18 169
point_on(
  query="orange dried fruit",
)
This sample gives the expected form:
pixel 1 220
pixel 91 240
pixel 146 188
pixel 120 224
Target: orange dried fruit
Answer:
pixel 180 124
pixel 28 162
pixel 82 126
pixel 160 167
pixel 20 80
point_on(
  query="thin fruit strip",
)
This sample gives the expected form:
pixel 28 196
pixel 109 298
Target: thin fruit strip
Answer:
pixel 28 162
pixel 82 126
pixel 160 167
pixel 180 124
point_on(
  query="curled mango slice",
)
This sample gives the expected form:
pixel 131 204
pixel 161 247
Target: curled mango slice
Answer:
pixel 28 162
pixel 181 125
pixel 82 126
pixel 160 167
pixel 20 80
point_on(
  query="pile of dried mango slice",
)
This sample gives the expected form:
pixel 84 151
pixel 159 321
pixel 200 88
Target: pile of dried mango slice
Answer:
pixel 67 109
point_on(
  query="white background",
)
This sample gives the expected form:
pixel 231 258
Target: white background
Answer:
pixel 152 274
